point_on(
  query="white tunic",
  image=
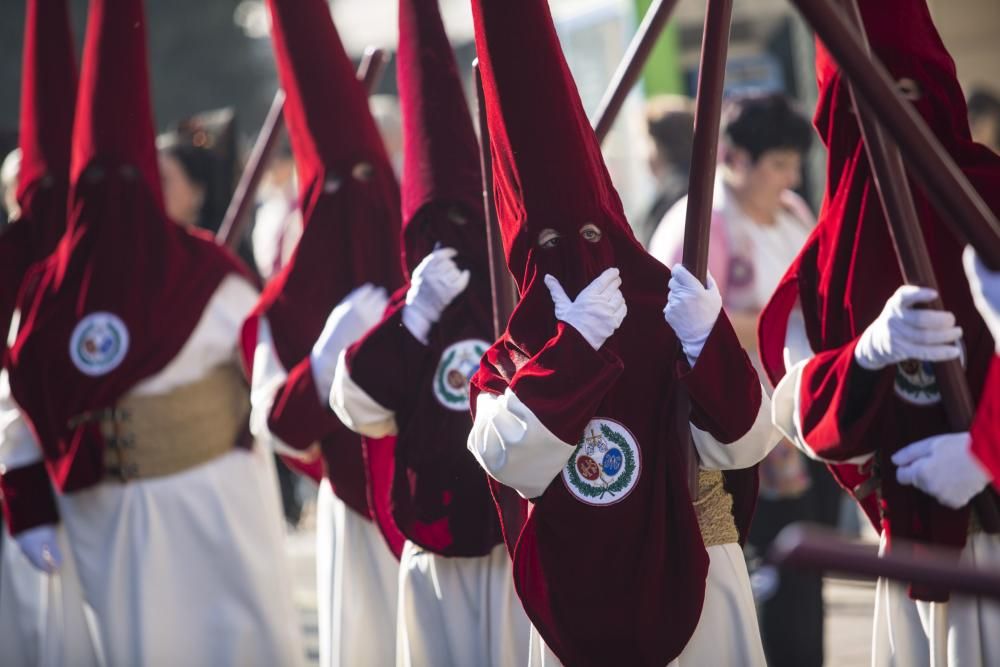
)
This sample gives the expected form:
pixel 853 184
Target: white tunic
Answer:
pixel 452 611
pixel 190 569
pixel 356 571
pixel 903 629
pixel 42 620
pixel 516 449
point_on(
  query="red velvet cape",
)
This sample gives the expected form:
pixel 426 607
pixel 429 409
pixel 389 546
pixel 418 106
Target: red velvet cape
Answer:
pixel 847 270
pixel 119 255
pixel 440 498
pixel 638 566
pixel 350 210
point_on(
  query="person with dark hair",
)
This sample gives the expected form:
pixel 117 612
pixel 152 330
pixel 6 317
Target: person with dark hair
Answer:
pixel 984 118
pixel 191 187
pixel 758 226
pixel 197 185
pixel 670 123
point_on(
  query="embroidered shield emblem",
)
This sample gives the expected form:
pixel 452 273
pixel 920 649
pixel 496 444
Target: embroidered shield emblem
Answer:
pixel 605 466
pixel 99 343
pixel 459 362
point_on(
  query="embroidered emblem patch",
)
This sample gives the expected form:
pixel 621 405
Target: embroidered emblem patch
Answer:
pixel 459 362
pixel 98 344
pixel 916 383
pixel 605 466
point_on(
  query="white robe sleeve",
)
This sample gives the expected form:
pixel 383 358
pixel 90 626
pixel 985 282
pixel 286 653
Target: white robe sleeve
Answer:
pixel 18 447
pixel 514 447
pixel 786 412
pixel 360 412
pixel 269 375
pixel 747 451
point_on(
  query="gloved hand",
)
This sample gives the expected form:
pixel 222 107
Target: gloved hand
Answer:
pixel 358 312
pixel 985 286
pixel 435 283
pixel 691 310
pixel 597 312
pixel 942 466
pixel 41 547
pixel 902 332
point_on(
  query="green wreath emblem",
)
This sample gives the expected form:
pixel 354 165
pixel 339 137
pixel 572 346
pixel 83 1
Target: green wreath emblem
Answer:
pixel 619 484
pixel 444 393
pixel 442 387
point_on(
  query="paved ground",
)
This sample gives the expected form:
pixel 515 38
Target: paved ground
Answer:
pixel 848 604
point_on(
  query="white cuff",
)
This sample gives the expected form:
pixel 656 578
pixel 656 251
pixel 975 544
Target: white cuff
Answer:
pixel 360 412
pixel 18 447
pixel 514 447
pixel 268 378
pixel 749 450
pixel 786 413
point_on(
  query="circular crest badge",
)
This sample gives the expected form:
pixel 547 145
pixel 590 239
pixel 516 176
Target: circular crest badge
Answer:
pixel 459 362
pixel 98 344
pixel 916 383
pixel 606 464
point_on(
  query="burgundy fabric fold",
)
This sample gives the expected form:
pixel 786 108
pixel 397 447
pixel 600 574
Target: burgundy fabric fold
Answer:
pixel 632 546
pixel 847 270
pixel 440 499
pixel 986 426
pixel 125 287
pixel 350 210
pixel 28 501
pixel 48 93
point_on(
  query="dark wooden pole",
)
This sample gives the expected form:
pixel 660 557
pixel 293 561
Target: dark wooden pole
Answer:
pixel 813 548
pixel 238 214
pixel 951 193
pixel 705 145
pixel 237 218
pixel 635 59
pixel 704 154
pixel 372 68
pixel 914 258
pixel 501 282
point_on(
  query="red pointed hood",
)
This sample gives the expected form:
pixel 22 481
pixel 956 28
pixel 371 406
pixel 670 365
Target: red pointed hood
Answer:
pixel 439 497
pixel 349 194
pixel 549 175
pixel 48 92
pixel 442 183
pixel 547 165
pixel 114 115
pixel 123 291
pixel 850 250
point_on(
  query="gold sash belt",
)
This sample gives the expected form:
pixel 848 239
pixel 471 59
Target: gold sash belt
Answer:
pixel 165 434
pixel 714 508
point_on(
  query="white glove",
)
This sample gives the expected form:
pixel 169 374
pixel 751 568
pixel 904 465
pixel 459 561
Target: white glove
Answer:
pixel 41 547
pixel 691 310
pixel 985 286
pixel 435 283
pixel 358 312
pixel 902 332
pixel 942 466
pixel 598 310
